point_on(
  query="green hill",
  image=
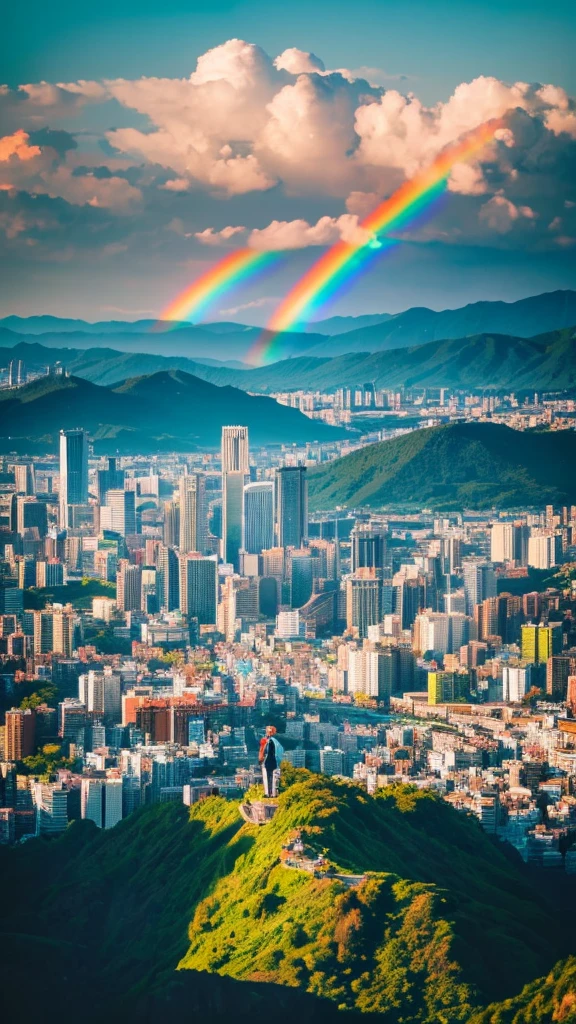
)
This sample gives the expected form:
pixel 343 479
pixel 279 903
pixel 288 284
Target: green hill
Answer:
pixel 464 465
pixel 167 411
pixel 443 922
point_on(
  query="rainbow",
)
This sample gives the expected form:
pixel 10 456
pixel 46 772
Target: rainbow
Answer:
pixel 230 271
pixel 345 260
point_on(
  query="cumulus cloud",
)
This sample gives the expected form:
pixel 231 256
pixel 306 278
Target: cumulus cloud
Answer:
pixel 299 234
pixel 324 140
pixel 211 237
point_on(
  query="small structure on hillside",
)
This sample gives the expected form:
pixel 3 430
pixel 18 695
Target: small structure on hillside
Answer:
pixel 259 812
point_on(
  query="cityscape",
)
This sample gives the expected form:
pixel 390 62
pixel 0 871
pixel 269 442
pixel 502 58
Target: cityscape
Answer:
pixel 288 515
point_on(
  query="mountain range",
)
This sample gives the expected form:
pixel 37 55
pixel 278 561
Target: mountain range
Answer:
pixel 435 921
pixel 537 314
pixel 463 465
pixel 165 411
pixel 547 361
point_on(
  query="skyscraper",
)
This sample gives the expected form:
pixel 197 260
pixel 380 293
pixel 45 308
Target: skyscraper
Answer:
pixel 363 601
pixel 292 506
pixel 167 579
pixel 193 526
pixel 73 471
pixel 109 479
pixel 101 801
pixel 119 512
pixel 479 582
pixel 20 733
pixel 234 471
pixel 128 586
pixel 258 517
pixel 368 548
pixel 199 588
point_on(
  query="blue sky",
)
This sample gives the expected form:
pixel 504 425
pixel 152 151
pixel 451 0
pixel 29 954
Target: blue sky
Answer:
pixel 105 215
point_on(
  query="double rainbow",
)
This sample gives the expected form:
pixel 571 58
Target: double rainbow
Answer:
pixel 230 271
pixel 345 260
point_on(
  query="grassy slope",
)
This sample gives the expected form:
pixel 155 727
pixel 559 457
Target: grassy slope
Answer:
pixel 444 922
pixel 470 465
pixel 437 939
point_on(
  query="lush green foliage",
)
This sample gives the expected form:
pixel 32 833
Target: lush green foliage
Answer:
pixel 443 922
pixel 552 998
pixel 473 465
pixel 76 592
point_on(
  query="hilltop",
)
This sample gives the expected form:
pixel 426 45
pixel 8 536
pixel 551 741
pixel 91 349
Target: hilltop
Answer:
pixel 463 465
pixel 166 411
pixel 444 921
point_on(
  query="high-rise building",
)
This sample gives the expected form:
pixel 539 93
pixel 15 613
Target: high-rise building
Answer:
pixel 199 588
pixel 20 734
pixel 368 548
pixel 171 528
pixel 110 479
pixel 235 450
pixel 193 526
pixel 258 517
pixel 100 693
pixel 448 687
pixel 24 478
pixel 31 514
pixel 516 682
pixel 51 802
pixel 54 631
pixel 371 672
pixel 292 506
pixel 539 642
pixel 300 565
pixel 479 582
pixel 232 516
pixel 509 542
pixel 363 601
pixel 73 471
pixel 559 668
pixel 167 579
pixel 542 550
pixel 128 586
pixel 101 801
pixel 119 513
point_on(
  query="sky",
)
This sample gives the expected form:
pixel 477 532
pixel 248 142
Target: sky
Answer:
pixel 140 143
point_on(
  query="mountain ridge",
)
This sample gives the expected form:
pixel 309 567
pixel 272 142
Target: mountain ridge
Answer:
pixel 460 465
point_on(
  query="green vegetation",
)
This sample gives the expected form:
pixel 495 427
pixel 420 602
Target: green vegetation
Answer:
pixel 78 593
pixel 46 762
pixel 443 922
pixel 166 411
pixel 461 465
pixel 552 998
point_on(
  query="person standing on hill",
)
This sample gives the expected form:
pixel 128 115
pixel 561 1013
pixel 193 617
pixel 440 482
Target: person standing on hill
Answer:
pixel 270 756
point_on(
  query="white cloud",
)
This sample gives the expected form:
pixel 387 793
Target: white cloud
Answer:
pixel 211 237
pixel 255 304
pixel 298 62
pixel 500 214
pixel 299 234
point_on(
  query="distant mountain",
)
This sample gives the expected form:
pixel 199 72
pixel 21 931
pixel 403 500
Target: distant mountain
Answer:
pixel 461 465
pixel 523 319
pixel 335 325
pixel 188 914
pixel 187 340
pixel 166 411
pixel 547 361
pixel 375 332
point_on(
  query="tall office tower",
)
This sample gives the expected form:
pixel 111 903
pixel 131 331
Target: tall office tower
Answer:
pixel 167 579
pixel 299 569
pixel 101 801
pixel 128 586
pixel 72 720
pixel 110 479
pixel 54 631
pixel 292 506
pixel 363 601
pixel 232 516
pixel 559 668
pixel 31 514
pixel 448 687
pixel 171 528
pixel 539 642
pixel 371 672
pixel 119 513
pixel 16 373
pixel 235 450
pixel 441 633
pixel 24 478
pixel 73 471
pixel 368 548
pixel 451 554
pixel 479 582
pixel 20 734
pixel 258 517
pixel 199 588
pixel 516 681
pixel 509 542
pixel 193 533
pixel 235 469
